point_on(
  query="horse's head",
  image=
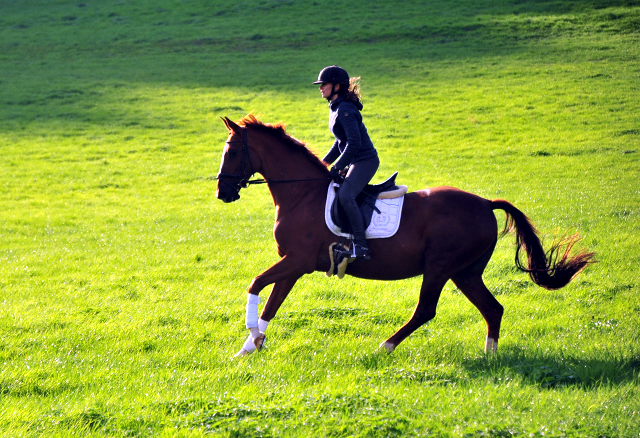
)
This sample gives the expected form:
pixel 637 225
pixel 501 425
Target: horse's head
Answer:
pixel 236 167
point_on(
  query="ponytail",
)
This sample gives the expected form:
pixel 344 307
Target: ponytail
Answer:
pixel 352 92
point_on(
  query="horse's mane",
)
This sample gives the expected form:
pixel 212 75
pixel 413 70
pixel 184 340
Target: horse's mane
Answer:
pixel 278 130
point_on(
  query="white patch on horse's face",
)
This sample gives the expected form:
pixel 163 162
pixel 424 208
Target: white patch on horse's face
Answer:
pixel 224 154
pixel 225 192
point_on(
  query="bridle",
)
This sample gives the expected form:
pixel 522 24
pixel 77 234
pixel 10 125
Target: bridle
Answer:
pixel 245 159
pixel 246 169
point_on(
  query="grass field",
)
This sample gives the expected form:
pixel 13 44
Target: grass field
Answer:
pixel 123 280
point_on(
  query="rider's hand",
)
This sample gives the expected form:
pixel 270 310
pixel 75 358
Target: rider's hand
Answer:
pixel 333 173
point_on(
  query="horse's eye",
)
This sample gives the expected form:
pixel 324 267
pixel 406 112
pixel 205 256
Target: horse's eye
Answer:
pixel 233 153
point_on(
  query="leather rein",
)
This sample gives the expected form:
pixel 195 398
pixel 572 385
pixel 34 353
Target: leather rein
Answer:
pixel 244 178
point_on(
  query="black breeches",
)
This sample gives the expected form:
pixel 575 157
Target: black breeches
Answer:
pixel 358 176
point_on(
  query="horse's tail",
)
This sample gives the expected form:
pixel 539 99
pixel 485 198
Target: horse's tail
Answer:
pixel 552 269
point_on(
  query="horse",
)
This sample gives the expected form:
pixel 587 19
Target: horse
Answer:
pixel 445 234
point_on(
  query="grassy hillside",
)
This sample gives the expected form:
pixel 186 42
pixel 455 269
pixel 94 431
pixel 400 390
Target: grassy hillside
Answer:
pixel 123 279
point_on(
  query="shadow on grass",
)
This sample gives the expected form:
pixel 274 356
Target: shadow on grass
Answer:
pixel 111 70
pixel 550 370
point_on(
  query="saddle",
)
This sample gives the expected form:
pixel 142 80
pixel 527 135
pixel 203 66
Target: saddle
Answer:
pixel 366 201
pixel 384 199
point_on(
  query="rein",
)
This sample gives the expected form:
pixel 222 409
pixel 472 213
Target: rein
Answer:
pixel 272 181
pixel 243 178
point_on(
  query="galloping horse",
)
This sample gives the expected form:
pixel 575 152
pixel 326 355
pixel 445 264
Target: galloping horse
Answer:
pixel 445 233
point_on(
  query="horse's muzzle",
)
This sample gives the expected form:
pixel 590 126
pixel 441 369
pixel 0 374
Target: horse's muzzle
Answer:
pixel 228 196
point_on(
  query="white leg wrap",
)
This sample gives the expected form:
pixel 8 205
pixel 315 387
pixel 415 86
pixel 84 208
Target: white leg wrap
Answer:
pixel 251 319
pixel 257 326
pixel 491 345
pixel 249 346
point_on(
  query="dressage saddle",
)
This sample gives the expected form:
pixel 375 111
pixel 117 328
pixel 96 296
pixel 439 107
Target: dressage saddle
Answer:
pixel 366 201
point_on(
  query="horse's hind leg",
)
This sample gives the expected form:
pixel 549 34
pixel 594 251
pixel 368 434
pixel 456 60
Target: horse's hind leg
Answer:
pixel 469 281
pixel 425 309
pixel 475 290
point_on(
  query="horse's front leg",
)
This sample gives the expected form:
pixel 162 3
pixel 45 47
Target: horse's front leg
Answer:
pixel 283 275
pixel 257 330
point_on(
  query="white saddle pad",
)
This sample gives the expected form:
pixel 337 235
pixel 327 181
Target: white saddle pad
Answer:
pixel 383 224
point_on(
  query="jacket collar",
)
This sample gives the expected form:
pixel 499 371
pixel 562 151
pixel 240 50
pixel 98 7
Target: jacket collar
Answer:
pixel 333 105
pixel 336 103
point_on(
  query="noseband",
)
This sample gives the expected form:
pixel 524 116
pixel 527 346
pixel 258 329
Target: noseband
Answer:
pixel 245 159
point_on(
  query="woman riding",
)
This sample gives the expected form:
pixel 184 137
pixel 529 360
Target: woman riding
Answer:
pixel 352 151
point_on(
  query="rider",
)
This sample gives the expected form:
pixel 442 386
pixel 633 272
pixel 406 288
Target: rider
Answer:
pixel 352 149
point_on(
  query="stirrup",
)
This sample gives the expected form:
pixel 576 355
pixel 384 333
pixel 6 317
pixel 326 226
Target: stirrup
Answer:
pixel 360 252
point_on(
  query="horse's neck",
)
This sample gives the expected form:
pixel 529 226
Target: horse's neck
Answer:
pixel 292 175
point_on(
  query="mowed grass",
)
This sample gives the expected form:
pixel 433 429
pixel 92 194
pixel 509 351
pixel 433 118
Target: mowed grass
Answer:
pixel 123 280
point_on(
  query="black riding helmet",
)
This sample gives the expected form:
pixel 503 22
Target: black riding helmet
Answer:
pixel 334 75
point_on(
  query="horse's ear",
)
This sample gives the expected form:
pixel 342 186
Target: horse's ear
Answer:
pixel 232 127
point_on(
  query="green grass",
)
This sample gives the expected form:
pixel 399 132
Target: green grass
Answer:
pixel 123 279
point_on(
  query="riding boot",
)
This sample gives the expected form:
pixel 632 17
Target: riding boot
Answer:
pixel 360 249
pixel 356 223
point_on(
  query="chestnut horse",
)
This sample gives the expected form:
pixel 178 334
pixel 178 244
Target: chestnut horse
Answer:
pixel 445 234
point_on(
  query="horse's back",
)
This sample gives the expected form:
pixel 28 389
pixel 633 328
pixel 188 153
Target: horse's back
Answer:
pixel 450 218
pixel 448 206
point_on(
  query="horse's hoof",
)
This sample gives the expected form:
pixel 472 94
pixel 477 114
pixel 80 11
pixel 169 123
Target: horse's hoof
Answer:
pixel 241 353
pixel 387 346
pixel 259 341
